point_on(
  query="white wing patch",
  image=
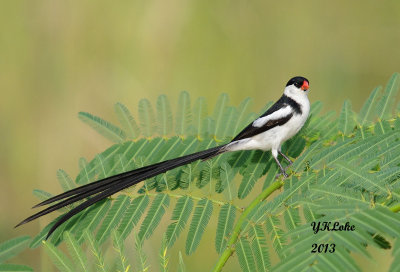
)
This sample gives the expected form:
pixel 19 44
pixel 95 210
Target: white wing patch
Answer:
pixel 283 112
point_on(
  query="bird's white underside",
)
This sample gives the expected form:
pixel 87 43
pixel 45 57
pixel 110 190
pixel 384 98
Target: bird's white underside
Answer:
pixel 272 139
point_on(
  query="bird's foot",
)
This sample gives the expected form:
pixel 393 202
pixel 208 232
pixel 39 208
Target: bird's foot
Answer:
pixel 282 174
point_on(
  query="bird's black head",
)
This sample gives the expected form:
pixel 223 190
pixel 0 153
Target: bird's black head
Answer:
pixel 299 82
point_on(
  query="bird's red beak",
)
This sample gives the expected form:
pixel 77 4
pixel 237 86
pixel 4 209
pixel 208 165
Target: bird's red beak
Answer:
pixel 305 86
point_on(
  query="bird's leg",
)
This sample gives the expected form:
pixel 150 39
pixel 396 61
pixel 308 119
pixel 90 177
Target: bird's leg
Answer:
pixel 275 155
pixel 286 158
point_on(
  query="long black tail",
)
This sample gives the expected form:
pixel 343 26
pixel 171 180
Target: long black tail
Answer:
pixel 106 187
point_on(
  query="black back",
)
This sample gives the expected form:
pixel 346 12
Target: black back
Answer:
pixel 251 131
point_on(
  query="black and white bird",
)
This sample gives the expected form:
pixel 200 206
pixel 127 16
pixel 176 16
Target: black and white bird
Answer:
pixel 268 132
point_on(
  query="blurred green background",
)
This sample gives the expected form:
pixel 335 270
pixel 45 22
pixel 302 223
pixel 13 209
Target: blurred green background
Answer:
pixel 61 57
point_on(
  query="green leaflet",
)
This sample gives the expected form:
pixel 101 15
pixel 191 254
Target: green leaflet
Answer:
pixel 226 183
pixel 14 267
pixel 76 252
pixel 127 121
pixel 147 118
pixel 132 215
pixel 163 255
pixel 86 174
pixel 243 117
pixel 164 116
pixel 183 114
pixel 385 104
pixel 276 233
pixel 346 120
pixel 12 247
pixel 396 254
pixel 259 248
pixel 65 180
pixel 95 251
pixel 200 219
pixel 93 218
pixel 245 255
pixel 253 172
pixel 180 216
pixel 333 177
pixel 58 257
pixel 181 267
pixel 218 116
pixel 119 247
pixel 367 112
pixel 199 117
pixel 112 218
pixel 42 195
pixel 226 220
pixel 292 218
pixel 154 215
pixel 108 130
pixel 140 256
pixel 230 119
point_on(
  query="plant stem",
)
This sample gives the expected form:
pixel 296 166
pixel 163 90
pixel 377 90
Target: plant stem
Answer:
pixel 238 227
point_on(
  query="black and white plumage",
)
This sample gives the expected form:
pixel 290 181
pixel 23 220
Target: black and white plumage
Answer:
pixel 268 132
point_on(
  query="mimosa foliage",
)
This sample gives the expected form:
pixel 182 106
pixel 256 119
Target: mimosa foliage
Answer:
pixel 346 169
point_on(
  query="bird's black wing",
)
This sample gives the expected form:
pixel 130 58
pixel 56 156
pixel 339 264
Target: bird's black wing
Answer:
pixel 252 130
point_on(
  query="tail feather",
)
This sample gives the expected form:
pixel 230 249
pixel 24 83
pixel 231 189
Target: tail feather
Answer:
pixel 96 184
pixel 104 188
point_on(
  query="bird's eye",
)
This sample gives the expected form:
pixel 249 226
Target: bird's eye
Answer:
pixel 298 84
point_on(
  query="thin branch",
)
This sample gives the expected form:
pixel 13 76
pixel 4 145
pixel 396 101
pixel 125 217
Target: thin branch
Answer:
pixel 230 248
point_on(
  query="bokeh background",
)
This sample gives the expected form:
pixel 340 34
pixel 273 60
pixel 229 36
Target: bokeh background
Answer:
pixel 61 57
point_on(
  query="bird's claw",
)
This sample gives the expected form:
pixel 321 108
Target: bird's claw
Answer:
pixel 282 174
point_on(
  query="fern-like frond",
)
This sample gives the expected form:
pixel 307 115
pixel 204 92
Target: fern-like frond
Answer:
pixel 259 247
pixel 12 247
pixel 140 255
pixel 395 266
pixel 243 116
pixel 346 118
pixel 367 112
pixel 180 216
pixel 132 215
pixel 14 267
pixel 42 195
pixel 200 219
pixel 292 218
pixel 183 114
pixel 181 265
pixel 253 172
pixel 147 118
pixel 274 228
pixel 86 174
pixel 127 121
pixel 245 255
pixel 385 104
pixel 154 215
pixel 76 252
pixel 112 218
pixel 218 116
pixel 163 256
pixel 226 219
pixel 93 218
pixel 65 180
pixel 94 248
pixel 226 183
pixel 164 116
pixel 59 259
pixel 108 130
pixel 200 117
pixel 119 247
